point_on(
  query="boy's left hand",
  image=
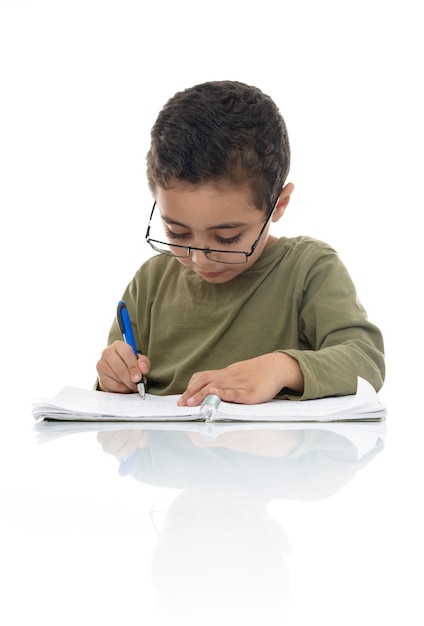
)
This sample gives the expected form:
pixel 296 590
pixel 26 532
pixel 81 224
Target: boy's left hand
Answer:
pixel 247 382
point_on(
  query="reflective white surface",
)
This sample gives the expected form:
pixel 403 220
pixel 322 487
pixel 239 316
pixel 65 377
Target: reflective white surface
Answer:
pixel 286 526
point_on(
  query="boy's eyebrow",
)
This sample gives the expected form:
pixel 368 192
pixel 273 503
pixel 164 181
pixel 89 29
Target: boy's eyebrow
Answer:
pixel 225 225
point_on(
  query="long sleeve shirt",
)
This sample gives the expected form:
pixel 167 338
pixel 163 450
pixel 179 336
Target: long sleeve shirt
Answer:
pixel 297 298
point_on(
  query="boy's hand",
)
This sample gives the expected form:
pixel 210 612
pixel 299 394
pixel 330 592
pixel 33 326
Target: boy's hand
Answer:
pixel 120 370
pixel 123 443
pixel 246 382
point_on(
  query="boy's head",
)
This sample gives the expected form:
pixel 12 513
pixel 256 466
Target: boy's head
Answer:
pixel 220 132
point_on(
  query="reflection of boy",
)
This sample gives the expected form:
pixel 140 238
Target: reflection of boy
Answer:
pixel 226 307
pixel 304 464
pixel 219 554
pixel 221 559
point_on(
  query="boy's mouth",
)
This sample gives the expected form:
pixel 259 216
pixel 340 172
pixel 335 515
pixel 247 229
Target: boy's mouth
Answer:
pixel 210 274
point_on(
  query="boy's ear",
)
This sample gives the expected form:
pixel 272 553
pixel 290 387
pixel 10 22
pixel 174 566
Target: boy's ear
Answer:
pixel 283 201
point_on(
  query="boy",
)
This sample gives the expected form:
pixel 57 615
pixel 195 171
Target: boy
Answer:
pixel 225 307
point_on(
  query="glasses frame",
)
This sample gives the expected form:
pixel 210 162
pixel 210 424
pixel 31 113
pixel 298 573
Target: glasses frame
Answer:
pixel 208 251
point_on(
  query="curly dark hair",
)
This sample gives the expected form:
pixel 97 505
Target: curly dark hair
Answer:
pixel 221 131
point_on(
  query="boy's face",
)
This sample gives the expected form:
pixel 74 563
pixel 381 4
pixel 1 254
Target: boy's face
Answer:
pixel 218 217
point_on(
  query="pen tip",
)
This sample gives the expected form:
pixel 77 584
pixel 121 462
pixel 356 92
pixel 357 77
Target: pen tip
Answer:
pixel 141 390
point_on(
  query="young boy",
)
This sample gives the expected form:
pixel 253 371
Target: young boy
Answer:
pixel 225 307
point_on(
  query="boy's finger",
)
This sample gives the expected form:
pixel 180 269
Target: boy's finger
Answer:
pixel 135 373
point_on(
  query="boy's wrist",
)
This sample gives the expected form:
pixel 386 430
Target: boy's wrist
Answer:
pixel 291 373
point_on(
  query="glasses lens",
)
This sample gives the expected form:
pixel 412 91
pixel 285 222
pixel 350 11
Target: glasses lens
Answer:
pixel 166 248
pixel 226 257
pixel 213 255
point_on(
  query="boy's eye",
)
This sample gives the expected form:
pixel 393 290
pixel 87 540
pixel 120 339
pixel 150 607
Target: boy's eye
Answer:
pixel 221 241
pixel 173 235
pixel 228 241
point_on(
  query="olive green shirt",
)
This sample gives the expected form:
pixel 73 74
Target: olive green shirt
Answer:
pixel 297 298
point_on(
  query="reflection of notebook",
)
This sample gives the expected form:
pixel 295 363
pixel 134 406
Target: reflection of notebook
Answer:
pixel 362 435
pixel 89 405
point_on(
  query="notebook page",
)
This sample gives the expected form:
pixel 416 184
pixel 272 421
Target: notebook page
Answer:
pixel 364 401
pixel 88 403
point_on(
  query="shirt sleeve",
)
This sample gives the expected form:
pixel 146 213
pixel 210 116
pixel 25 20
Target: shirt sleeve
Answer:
pixel 342 343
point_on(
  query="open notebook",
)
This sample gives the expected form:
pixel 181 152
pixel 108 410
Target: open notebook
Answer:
pixel 88 405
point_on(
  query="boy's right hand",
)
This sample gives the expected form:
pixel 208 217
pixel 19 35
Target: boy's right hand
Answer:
pixel 119 370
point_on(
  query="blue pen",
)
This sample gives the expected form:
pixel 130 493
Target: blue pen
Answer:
pixel 125 327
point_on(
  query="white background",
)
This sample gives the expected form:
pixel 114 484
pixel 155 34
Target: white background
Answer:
pixel 82 82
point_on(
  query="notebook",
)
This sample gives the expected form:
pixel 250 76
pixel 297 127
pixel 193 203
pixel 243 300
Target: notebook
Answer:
pixel 78 404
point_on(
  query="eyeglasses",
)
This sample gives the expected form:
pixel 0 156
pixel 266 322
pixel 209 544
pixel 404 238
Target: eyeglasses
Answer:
pixel 219 256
